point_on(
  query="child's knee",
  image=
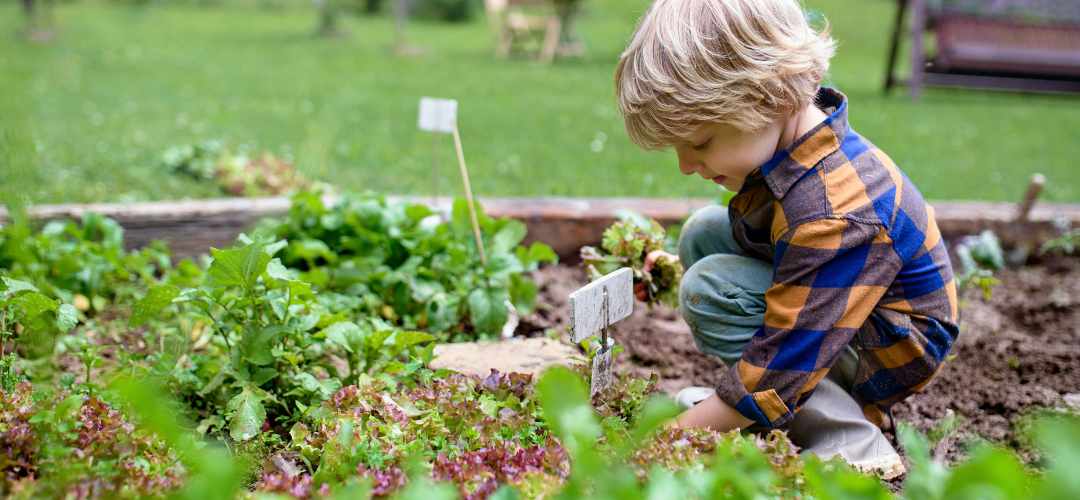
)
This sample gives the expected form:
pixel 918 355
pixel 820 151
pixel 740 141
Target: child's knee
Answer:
pixel 693 284
pixel 725 277
pixel 722 311
pixel 703 234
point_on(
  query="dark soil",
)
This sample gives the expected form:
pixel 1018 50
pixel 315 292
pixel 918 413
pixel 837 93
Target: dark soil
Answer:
pixel 1017 353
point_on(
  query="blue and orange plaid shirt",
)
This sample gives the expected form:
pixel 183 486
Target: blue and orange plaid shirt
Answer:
pixel 858 260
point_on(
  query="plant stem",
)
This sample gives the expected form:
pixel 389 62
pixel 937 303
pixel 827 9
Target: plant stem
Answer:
pixel 288 305
pixel 233 315
pixel 225 337
pixel 213 327
pixel 88 362
pixel 3 329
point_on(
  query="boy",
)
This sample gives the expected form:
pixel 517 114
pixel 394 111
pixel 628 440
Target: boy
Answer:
pixel 824 285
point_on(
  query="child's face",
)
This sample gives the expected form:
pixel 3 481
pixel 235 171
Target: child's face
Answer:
pixel 725 155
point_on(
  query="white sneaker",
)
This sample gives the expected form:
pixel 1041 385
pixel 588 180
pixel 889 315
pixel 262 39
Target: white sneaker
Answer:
pixel 888 467
pixel 693 395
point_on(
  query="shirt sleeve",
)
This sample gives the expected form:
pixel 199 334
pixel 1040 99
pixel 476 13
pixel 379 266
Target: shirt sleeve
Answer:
pixel 829 276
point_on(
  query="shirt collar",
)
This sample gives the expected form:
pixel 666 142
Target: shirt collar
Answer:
pixel 790 164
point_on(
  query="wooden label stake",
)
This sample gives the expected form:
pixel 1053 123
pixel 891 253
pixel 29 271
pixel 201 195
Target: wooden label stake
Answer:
pixel 596 307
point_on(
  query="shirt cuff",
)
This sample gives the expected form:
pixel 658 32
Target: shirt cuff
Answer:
pixel 766 408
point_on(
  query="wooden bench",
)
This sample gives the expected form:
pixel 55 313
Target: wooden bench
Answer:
pixel 1024 45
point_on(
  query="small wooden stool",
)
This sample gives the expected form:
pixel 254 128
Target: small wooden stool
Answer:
pixel 521 23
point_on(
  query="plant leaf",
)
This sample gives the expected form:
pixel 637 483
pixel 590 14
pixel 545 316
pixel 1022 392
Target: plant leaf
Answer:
pixel 311 250
pixel 407 338
pixel 509 236
pixel 322 389
pixel 487 309
pixel 13 286
pixel 276 270
pixel 345 334
pixel 1057 438
pixel 156 299
pixel 989 473
pixel 540 252
pixel 657 410
pixel 258 345
pixel 246 415
pixel 240 266
pixel 523 293
pixel 34 304
pixel 66 317
pixel 926 478
pixel 565 401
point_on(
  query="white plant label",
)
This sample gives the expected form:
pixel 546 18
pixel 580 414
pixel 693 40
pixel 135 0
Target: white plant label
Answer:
pixel 438 115
pixel 594 308
pixel 587 315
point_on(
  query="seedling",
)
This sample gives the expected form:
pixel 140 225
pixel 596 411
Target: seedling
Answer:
pixel 596 307
pixel 627 243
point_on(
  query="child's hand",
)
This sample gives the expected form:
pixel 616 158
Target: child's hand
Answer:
pixel 650 260
pixel 712 413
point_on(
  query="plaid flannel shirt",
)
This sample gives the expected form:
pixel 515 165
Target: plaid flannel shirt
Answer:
pixel 858 260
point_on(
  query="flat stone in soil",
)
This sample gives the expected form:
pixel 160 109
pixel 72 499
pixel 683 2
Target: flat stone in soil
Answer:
pixel 532 355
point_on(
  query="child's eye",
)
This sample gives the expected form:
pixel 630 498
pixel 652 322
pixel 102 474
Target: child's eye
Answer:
pixel 702 146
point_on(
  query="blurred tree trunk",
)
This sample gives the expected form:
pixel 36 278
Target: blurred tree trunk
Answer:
pixel 570 42
pixel 401 42
pixel 328 17
pixel 39 20
pixel 400 13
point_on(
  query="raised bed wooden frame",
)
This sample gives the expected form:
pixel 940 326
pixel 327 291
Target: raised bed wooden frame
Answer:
pixel 192 227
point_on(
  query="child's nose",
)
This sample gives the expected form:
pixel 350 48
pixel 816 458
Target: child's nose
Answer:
pixel 687 163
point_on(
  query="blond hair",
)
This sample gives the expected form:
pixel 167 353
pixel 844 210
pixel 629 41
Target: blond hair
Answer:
pixel 739 62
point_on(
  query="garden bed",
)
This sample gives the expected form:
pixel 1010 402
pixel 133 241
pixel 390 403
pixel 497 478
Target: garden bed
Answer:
pixel 191 227
pixel 307 348
pixel 1018 352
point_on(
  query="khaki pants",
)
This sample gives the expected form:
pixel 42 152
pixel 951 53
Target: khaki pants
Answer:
pixel 722 299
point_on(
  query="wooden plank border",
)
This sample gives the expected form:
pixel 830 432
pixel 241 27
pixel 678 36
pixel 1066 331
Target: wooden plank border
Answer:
pixel 192 227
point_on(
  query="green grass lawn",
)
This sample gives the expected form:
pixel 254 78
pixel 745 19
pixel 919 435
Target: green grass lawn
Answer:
pixel 87 116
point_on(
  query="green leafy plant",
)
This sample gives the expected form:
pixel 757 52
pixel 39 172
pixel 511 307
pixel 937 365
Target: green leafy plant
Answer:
pixel 980 257
pixel 237 173
pixel 627 243
pixel 32 319
pixel 300 351
pixel 989 472
pixel 1066 244
pixel 83 263
pixel 643 459
pixel 274 348
pixel 754 467
pixel 212 472
pixel 409 266
pixel 58 444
